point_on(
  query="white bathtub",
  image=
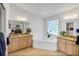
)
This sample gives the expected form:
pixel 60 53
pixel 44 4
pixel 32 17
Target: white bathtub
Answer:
pixel 48 44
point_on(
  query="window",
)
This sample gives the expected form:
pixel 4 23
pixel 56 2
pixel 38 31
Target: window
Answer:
pixel 53 27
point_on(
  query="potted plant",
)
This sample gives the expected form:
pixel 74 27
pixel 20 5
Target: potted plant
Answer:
pixel 63 33
pixel 28 30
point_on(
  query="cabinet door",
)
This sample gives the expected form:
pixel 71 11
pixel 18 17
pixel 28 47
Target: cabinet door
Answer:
pixel 29 42
pixel 14 44
pixel 75 50
pixel 25 42
pixel 71 48
pixel 61 45
pixel 21 43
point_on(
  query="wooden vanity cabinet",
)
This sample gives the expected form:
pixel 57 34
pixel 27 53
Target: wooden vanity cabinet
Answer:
pixel 14 45
pixel 20 42
pixel 67 46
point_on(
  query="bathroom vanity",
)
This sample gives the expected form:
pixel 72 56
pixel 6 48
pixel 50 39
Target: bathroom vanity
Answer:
pixel 19 42
pixel 68 45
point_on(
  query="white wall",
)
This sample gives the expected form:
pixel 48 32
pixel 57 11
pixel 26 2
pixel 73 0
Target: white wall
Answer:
pixel 35 21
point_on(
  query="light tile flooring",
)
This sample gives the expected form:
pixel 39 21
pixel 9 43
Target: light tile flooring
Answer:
pixel 36 52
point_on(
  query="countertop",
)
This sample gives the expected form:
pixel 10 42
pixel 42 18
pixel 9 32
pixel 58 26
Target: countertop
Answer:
pixel 68 38
pixel 19 35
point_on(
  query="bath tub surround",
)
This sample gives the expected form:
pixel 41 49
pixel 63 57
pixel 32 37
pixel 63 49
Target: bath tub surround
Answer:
pixel 46 43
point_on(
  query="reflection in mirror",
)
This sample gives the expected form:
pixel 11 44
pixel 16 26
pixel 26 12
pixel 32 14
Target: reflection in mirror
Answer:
pixel 70 28
pixel 19 26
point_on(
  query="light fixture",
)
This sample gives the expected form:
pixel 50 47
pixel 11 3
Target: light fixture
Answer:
pixel 66 17
pixel 71 16
pixel 20 18
pixel 75 15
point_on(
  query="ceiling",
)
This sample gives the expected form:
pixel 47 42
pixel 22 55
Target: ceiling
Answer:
pixel 46 9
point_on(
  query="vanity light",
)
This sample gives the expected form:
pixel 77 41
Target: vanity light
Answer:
pixel 66 17
pixel 75 15
pixel 21 18
pixel 71 16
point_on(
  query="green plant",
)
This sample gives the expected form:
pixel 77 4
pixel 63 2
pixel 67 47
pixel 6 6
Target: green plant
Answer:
pixel 63 33
pixel 28 30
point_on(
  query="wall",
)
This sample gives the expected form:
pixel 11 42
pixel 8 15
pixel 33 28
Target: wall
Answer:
pixel 62 21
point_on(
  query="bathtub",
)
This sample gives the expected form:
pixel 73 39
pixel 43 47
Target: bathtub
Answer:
pixel 45 43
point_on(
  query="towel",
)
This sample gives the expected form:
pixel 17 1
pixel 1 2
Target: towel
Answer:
pixel 1 51
pixel 2 45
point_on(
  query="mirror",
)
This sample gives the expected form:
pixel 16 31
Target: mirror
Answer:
pixel 70 28
pixel 19 26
